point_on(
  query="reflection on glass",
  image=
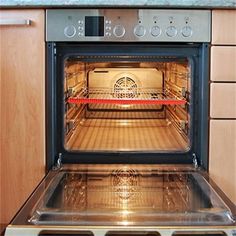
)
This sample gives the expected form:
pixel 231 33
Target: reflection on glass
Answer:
pixel 125 183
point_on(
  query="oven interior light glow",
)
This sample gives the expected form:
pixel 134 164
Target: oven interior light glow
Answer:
pixel 124 123
pixel 124 222
pixel 125 212
pixel 126 106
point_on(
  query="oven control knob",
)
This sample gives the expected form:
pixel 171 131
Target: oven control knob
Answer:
pixel 139 30
pixel 119 31
pixel 187 31
pixel 171 31
pixel 70 31
pixel 155 31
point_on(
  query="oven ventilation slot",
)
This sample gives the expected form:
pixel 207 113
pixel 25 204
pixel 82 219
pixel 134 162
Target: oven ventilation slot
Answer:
pixel 65 233
pixel 202 233
pixel 132 233
pixel 142 97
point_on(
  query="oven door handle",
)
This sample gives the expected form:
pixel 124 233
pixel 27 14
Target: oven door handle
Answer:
pixel 17 22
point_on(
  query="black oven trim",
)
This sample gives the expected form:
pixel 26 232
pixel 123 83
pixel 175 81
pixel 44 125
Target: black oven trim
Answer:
pixel 54 145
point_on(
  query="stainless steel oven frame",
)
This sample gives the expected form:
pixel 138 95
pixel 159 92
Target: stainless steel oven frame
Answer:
pixel 197 54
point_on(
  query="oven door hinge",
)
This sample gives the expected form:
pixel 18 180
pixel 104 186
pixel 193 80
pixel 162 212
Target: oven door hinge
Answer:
pixel 58 164
pixel 195 161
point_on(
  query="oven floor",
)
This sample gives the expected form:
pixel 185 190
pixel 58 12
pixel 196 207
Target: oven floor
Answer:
pixel 126 135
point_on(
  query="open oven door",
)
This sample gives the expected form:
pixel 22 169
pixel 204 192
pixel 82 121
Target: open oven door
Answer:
pixel 100 198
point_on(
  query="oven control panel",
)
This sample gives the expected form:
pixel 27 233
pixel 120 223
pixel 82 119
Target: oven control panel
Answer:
pixel 130 25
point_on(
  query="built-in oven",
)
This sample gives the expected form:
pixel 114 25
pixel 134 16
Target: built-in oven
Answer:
pixel 127 127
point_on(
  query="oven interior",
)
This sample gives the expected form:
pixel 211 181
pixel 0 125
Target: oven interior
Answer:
pixel 127 105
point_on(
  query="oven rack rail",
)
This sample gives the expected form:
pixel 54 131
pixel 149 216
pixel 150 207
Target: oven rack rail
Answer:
pixel 126 97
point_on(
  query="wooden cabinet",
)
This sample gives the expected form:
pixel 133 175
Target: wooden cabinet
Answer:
pixel 223 63
pixel 222 164
pixel 223 100
pixel 222 141
pixel 22 51
pixel 223 27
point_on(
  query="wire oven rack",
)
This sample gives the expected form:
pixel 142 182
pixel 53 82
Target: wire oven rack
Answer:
pixel 127 96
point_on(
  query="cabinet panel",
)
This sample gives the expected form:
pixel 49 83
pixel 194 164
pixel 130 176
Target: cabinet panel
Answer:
pixel 223 100
pixel 223 63
pixel 222 162
pixel 223 27
pixel 22 160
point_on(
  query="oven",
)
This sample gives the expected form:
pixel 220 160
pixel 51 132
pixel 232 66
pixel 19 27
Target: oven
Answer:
pixel 127 128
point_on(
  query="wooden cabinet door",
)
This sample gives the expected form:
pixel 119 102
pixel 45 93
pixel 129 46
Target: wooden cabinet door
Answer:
pixel 222 162
pixel 22 51
pixel 223 27
pixel 223 63
pixel 223 100
pixel 222 149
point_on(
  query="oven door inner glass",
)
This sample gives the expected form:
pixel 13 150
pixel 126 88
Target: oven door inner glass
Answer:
pixel 127 105
pixel 129 196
